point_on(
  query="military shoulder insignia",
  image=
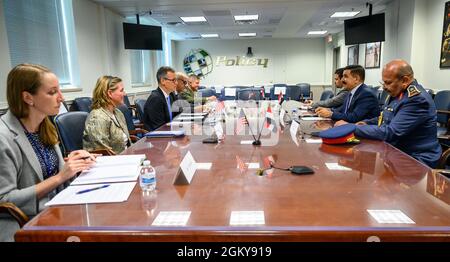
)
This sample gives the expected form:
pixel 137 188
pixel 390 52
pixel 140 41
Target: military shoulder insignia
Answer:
pixel 413 91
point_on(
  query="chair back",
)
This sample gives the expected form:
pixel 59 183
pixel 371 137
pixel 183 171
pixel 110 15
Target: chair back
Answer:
pixel 249 94
pixel 442 102
pixel 81 104
pixel 382 98
pixel 126 101
pixel 140 105
pixel 293 92
pixel 305 91
pixel 70 127
pixel 207 92
pixel 327 94
pixel 128 116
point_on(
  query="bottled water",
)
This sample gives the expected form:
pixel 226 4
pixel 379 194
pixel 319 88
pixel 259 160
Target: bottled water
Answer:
pixel 147 177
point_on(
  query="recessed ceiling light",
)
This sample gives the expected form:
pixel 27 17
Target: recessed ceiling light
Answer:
pixel 209 35
pixel 247 34
pixel 193 19
pixel 345 14
pixel 246 17
pixel 317 32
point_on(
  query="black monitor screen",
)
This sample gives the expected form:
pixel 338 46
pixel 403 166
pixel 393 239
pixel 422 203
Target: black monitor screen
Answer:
pixel 142 37
pixel 366 29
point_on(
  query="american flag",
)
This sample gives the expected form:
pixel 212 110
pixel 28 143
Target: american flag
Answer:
pixel 241 165
pixel 241 122
pixel 270 120
pixel 219 106
pixel 280 97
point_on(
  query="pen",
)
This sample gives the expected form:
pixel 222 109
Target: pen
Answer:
pixel 83 158
pixel 91 189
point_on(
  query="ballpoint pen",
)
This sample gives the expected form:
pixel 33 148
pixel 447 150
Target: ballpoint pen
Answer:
pixel 91 189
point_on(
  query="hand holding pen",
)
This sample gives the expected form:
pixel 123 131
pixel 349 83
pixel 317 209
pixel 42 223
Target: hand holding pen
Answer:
pixel 75 162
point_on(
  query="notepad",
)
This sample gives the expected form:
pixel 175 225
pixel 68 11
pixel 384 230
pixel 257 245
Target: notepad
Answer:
pixel 115 192
pixel 170 133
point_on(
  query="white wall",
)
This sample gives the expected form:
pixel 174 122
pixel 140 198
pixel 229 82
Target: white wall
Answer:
pixel 434 77
pixel 5 64
pixel 99 39
pixel 291 61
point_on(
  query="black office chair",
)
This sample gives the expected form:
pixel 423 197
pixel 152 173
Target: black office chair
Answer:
pixel 305 92
pixel 207 92
pixel 442 102
pixel 70 128
pixel 327 94
pixel 81 104
pixel 249 94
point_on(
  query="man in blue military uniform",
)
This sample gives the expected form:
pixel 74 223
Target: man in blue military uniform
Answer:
pixel 408 120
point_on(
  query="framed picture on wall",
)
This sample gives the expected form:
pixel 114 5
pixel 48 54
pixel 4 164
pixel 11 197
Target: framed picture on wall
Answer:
pixel 372 55
pixel 445 47
pixel 352 56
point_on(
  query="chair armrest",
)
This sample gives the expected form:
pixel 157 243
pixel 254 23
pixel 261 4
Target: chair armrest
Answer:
pixel 15 212
pixel 443 111
pixel 443 160
pixel 140 125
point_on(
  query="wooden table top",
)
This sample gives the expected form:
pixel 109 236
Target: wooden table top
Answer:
pixel 328 205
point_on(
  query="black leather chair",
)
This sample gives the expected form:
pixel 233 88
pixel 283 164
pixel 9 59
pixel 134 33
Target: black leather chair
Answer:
pixel 81 104
pixel 207 92
pixel 327 94
pixel 293 92
pixel 249 94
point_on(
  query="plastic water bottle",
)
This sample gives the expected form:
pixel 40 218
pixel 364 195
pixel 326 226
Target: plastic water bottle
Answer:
pixel 294 114
pixel 147 177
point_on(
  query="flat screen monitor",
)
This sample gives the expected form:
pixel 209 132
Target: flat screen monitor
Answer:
pixel 366 29
pixel 142 37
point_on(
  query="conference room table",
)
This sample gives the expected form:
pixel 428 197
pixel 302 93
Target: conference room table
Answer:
pixel 329 205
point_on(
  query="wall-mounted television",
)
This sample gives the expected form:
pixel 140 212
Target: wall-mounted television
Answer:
pixel 366 29
pixel 142 37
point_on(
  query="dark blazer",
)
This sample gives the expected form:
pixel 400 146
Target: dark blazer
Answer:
pixel 364 105
pixel 156 112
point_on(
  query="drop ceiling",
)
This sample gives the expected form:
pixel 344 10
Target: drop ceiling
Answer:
pixel 277 18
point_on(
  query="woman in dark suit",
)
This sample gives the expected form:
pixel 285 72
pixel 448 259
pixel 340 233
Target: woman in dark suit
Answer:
pixel 32 169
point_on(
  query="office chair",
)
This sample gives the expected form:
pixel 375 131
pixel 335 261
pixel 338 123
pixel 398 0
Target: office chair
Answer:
pixel 15 212
pixel 81 104
pixel 306 92
pixel 327 94
pixel 293 92
pixel 135 130
pixel 442 102
pixel 249 94
pixel 444 159
pixel 207 92
pixel 140 105
pixel 70 128
pixel 382 99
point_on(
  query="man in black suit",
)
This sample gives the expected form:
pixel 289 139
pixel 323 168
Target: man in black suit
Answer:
pixel 360 103
pixel 158 108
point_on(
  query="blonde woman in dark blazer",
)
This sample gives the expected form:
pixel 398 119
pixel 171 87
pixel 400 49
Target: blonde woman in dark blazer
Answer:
pixel 106 126
pixel 32 169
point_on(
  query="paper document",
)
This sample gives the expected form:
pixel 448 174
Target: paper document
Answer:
pixel 194 114
pixel 115 192
pixel 314 118
pixel 111 169
pixel 188 118
pixel 390 217
pixel 240 218
pixel 171 133
pixel 179 123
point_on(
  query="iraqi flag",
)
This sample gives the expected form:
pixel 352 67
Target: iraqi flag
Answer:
pixel 270 120
pixel 280 97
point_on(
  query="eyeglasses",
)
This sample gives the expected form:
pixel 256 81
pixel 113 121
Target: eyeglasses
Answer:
pixel 172 80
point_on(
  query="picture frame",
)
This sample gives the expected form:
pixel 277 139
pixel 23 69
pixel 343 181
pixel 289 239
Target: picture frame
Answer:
pixel 444 61
pixel 352 55
pixel 372 55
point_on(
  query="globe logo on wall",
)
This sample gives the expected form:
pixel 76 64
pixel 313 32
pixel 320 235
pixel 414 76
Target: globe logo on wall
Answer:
pixel 197 62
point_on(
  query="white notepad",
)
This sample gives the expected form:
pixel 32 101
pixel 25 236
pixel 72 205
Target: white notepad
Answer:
pixel 172 218
pixel 115 192
pixel 390 217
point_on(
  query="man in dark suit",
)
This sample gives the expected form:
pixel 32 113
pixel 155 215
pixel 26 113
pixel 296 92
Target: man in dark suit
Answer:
pixel 158 108
pixel 360 103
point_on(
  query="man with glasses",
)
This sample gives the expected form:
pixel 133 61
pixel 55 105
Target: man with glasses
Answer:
pixel 158 108
pixel 408 120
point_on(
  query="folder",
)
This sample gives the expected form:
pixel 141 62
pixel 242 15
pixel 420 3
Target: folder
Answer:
pixel 170 133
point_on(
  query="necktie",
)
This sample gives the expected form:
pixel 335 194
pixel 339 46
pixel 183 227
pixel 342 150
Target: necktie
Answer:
pixel 349 100
pixel 168 107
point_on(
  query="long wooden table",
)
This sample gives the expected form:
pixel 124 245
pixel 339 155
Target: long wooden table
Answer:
pixel 326 206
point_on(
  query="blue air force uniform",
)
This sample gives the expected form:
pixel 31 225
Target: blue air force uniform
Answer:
pixel 407 122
